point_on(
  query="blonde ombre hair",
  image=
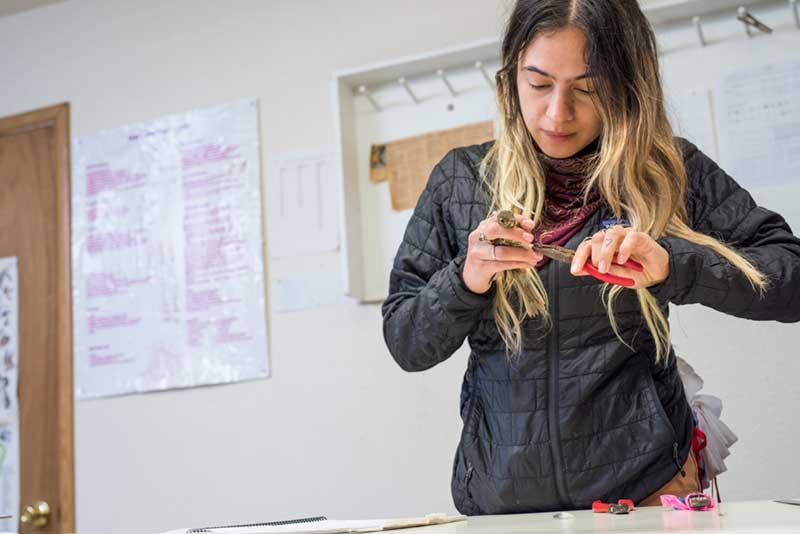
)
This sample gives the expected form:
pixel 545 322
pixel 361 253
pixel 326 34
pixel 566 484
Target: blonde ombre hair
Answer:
pixel 639 166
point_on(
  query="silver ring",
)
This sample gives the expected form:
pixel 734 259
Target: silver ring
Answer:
pixel 481 237
pixel 494 257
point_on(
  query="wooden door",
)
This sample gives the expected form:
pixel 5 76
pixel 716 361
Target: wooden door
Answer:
pixel 35 227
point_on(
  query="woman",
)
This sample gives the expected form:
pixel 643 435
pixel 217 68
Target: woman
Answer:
pixel 571 393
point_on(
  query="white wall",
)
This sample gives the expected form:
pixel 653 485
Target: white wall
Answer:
pixel 751 365
pixel 338 429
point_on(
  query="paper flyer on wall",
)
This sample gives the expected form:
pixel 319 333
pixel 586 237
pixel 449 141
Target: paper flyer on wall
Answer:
pixel 759 123
pixel 759 134
pixel 167 253
pixel 9 408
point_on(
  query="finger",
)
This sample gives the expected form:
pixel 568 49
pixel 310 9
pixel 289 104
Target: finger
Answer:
pixel 613 237
pixel 491 252
pixel 522 235
pixel 525 225
pixel 514 254
pixel 524 222
pixel 517 234
pixel 478 234
pixel 597 246
pixel 521 232
pixel 629 246
pixel 619 270
pixel 493 230
pixel 582 255
pixel 639 280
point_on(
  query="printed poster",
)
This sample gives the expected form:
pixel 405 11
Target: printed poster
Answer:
pixel 168 275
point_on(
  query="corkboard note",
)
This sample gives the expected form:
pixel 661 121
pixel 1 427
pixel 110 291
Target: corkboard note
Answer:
pixel 407 163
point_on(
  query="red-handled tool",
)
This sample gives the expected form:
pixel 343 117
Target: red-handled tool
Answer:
pixel 622 506
pixel 565 255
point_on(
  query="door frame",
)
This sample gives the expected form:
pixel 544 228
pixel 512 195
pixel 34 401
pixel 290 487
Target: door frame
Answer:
pixel 56 118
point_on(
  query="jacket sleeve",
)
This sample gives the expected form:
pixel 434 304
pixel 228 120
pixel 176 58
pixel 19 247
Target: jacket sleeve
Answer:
pixel 429 310
pixel 719 207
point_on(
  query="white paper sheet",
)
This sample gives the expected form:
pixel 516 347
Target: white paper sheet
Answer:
pixel 9 475
pixel 303 192
pixel 758 111
pixel 168 253
pixel 9 406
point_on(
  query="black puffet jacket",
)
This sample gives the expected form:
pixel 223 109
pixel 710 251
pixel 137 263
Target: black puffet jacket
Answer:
pixel 579 415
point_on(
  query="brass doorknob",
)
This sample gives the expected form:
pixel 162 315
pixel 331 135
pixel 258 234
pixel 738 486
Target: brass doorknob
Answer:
pixel 36 514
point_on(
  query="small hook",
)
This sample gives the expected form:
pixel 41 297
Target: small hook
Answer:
pixel 362 90
pixel 441 74
pixel 402 81
pixel 750 21
pixel 699 27
pixel 480 67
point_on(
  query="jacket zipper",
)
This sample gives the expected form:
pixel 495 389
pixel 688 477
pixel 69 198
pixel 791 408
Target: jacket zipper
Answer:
pixel 552 397
pixel 467 478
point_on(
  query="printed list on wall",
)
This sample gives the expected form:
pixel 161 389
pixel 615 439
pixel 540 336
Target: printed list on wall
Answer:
pixel 759 134
pixel 168 275
pixel 759 123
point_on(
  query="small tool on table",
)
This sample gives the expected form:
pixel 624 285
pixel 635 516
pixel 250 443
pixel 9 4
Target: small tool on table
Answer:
pixel 623 506
pixel 698 501
pixel 506 219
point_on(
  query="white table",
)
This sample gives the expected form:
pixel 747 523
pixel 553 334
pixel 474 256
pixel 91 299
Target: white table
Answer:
pixel 754 517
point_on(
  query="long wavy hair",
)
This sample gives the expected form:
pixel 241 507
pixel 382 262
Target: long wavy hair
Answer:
pixel 639 167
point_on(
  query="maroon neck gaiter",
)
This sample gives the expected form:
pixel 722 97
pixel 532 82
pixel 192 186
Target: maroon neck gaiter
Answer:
pixel 565 212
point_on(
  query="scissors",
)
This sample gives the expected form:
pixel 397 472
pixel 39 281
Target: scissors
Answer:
pixel 564 255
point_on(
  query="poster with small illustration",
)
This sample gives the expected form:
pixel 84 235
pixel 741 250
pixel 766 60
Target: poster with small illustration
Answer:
pixel 9 408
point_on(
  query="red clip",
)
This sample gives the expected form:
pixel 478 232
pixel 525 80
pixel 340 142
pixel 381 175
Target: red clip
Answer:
pixel 622 506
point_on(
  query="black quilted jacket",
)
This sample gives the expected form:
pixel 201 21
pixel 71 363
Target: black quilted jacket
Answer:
pixel 579 415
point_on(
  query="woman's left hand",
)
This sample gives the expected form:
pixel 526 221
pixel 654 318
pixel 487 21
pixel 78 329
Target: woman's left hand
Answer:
pixel 627 244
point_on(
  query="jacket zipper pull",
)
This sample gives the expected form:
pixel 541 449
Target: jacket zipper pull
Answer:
pixel 675 458
pixel 467 478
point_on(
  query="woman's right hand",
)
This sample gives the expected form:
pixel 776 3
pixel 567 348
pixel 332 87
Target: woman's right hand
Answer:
pixel 485 260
